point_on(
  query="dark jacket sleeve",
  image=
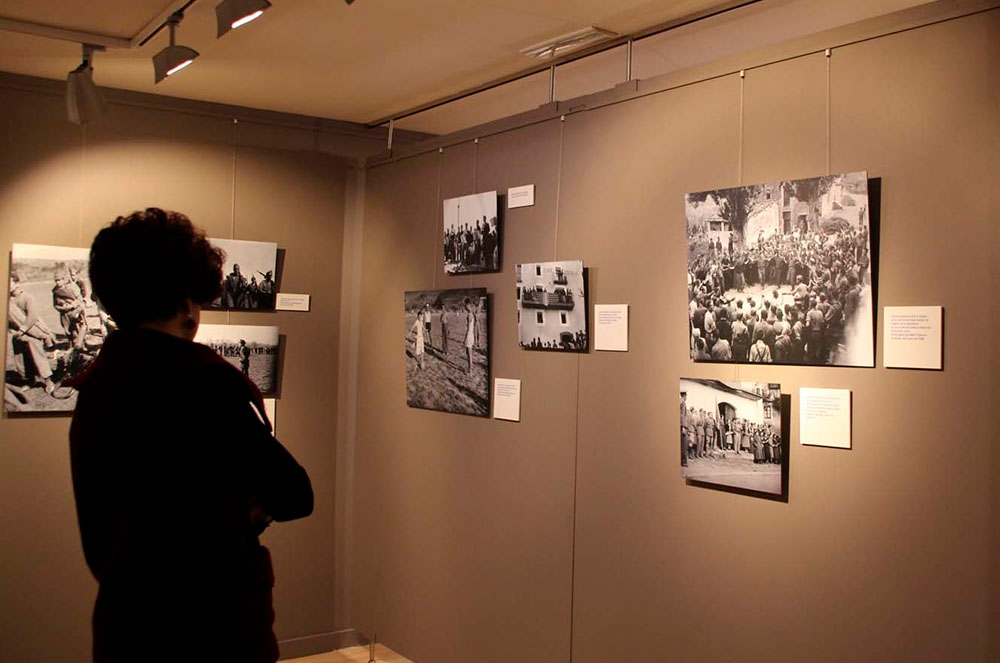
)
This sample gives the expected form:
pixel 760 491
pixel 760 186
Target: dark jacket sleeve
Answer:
pixel 277 483
pixel 280 485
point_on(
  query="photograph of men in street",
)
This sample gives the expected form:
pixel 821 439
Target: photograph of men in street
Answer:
pixel 447 350
pixel 55 328
pixel 471 234
pixel 731 434
pixel 782 273
pixel 251 348
pixel 248 275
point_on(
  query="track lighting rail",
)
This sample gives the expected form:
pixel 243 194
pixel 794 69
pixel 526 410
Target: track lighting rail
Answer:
pixel 108 41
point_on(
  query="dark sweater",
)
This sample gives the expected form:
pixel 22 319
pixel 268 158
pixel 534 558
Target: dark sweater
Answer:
pixel 169 460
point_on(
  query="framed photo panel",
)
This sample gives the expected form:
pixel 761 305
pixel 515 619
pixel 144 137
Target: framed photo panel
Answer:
pixel 472 234
pixel 251 348
pixel 55 327
pixel 782 273
pixel 731 435
pixel 552 306
pixel 448 350
pixel 247 275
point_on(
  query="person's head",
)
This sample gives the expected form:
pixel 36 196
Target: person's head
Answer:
pixel 243 342
pixel 236 268
pixel 15 285
pixel 153 267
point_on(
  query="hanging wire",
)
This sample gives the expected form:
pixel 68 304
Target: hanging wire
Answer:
pixel 828 52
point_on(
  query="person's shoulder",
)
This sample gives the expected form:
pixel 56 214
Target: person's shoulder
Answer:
pixel 217 384
pixel 205 368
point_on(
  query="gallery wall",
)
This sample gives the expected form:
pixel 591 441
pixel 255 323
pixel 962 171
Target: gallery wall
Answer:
pixel 252 180
pixel 570 535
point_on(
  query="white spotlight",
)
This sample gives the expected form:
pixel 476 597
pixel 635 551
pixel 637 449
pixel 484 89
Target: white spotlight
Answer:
pixel 173 58
pixel 84 101
pixel 231 14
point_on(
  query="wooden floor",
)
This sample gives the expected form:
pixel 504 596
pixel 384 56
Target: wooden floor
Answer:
pixel 352 655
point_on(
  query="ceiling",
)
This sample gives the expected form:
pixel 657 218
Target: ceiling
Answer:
pixel 376 58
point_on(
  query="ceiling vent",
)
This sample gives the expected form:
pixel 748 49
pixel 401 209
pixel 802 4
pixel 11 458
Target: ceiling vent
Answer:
pixel 569 42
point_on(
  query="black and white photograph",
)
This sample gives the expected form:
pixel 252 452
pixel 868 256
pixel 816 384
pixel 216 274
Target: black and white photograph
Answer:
pixel 448 350
pixel 55 327
pixel 552 306
pixel 247 275
pixel 251 348
pixel 731 434
pixel 782 273
pixel 472 234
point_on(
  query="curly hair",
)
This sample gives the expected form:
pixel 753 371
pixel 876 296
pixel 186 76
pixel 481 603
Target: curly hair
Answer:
pixel 145 266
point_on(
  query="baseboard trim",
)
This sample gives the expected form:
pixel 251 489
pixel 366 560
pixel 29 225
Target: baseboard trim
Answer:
pixel 320 643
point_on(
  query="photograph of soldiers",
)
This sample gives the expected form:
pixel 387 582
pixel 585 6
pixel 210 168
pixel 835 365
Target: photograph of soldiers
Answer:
pixel 781 273
pixel 447 350
pixel 472 234
pixel 251 348
pixel 552 306
pixel 55 328
pixel 731 434
pixel 248 275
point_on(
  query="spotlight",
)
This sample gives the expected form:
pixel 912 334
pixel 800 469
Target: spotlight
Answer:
pixel 173 58
pixel 231 14
pixel 84 101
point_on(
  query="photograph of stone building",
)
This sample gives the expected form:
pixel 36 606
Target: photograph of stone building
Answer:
pixel 552 306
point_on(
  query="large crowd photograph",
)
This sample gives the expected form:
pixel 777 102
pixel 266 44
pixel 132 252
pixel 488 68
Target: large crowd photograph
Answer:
pixel 552 306
pixel 782 273
pixel 55 327
pixel 472 234
pixel 251 348
pixel 731 434
pixel 448 350
pixel 247 275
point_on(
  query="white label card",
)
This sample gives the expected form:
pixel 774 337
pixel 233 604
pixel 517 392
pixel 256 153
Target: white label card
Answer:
pixel 286 301
pixel 611 327
pixel 912 337
pixel 521 196
pixel 507 399
pixel 825 417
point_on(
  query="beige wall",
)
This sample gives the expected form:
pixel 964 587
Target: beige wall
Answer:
pixel 570 535
pixel 58 185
